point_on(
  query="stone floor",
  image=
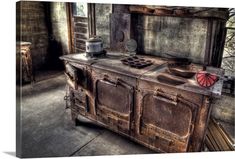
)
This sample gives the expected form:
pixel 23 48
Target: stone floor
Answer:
pixel 47 129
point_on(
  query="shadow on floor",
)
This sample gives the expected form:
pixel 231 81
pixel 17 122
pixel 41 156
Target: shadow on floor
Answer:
pixel 87 123
pixel 11 153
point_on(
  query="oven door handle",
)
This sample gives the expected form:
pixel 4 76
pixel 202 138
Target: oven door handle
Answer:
pixel 108 81
pixel 165 100
pixel 122 83
pixel 160 93
pixel 117 82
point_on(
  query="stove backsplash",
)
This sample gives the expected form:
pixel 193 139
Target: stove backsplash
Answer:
pixel 181 37
pixel 199 38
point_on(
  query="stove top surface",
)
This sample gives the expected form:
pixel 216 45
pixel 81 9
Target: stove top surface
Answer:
pixel 115 63
pixel 158 71
pixel 112 61
pixel 185 80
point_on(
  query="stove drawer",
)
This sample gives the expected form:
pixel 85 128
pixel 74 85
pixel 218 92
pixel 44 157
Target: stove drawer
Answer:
pixel 168 120
pixel 71 75
pixel 114 103
pixel 78 75
pixel 71 71
pixel 79 102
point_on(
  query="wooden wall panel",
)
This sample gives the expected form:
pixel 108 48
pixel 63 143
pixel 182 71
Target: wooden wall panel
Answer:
pixel 80 33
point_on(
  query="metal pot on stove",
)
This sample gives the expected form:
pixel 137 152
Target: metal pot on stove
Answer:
pixel 94 45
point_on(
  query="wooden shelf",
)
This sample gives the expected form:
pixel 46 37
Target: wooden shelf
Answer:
pixel 183 12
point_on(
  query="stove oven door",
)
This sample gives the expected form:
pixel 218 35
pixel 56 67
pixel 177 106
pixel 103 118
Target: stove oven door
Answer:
pixel 114 104
pixel 167 121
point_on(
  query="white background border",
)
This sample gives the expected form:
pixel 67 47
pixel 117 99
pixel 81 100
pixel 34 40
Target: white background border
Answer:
pixel 8 95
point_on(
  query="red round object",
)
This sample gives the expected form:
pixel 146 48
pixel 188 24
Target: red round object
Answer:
pixel 206 79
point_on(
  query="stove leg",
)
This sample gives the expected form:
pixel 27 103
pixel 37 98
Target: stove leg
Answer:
pixel 74 116
pixel 76 121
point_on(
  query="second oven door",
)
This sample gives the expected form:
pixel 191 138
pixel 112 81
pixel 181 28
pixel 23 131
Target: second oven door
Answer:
pixel 114 103
pixel 167 120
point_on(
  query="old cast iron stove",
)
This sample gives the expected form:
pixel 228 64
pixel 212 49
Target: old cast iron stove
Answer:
pixel 159 106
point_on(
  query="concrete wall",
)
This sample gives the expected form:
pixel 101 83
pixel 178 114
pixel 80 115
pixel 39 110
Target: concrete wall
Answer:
pixel 31 27
pixel 44 24
pixel 102 12
pixel 58 34
pixel 224 109
pixel 59 25
pixel 183 37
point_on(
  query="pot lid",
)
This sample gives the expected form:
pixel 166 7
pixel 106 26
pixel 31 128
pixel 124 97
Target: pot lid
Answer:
pixel 206 79
pixel 23 43
pixel 131 45
pixel 94 39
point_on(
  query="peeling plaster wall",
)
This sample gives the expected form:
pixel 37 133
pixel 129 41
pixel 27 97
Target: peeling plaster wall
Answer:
pixel 102 12
pixel 31 27
pixel 224 109
pixel 59 25
pixel 183 37
pixel 58 33
pixel 44 24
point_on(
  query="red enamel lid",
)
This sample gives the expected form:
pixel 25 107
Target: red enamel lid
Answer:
pixel 206 79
